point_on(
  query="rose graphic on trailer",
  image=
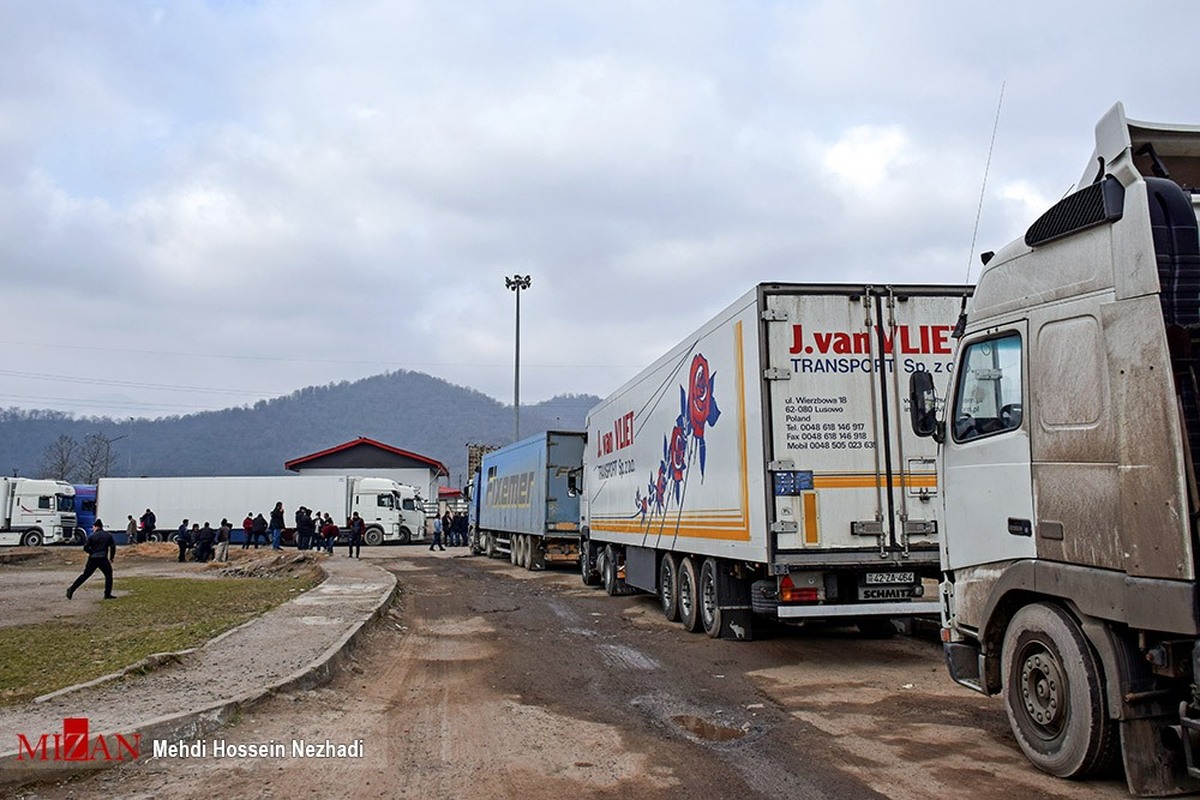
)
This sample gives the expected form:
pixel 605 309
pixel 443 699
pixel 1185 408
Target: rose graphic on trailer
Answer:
pixel 685 442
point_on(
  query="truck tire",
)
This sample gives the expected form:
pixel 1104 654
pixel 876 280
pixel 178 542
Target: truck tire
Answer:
pixel 710 599
pixel 689 594
pixel 1053 694
pixel 512 550
pixel 489 546
pixel 79 537
pixel 405 535
pixel 608 570
pixel 537 554
pixel 668 587
pixel 373 537
pixel 587 568
pixel 32 538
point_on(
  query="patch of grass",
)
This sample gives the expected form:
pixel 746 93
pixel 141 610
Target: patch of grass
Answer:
pixel 156 615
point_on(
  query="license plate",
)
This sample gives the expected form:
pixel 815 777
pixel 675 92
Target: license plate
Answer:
pixel 874 578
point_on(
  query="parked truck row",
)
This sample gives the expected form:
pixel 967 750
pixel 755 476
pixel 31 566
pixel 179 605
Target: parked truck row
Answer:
pixel 764 466
pixel 771 464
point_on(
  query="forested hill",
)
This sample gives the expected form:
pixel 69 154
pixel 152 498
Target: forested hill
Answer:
pixel 409 410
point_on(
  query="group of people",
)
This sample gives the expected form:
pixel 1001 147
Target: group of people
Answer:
pixel 204 543
pixel 450 528
pixel 317 531
pixel 141 529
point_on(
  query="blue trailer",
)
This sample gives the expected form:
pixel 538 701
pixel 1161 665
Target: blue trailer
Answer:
pixel 521 505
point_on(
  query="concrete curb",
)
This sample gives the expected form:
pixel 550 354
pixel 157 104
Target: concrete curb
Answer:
pixel 195 724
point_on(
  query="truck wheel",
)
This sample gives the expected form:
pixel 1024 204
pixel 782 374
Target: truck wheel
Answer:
pixel 32 538
pixel 405 535
pixel 1053 694
pixel 610 572
pixel 79 537
pixel 689 594
pixel 668 587
pixel 373 537
pixel 537 556
pixel 489 546
pixel 512 550
pixel 587 569
pixel 710 599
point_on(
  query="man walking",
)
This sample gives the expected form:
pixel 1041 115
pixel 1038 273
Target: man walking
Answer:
pixel 101 549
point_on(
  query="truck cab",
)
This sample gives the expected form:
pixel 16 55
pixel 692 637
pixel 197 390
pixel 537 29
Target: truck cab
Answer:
pixel 36 512
pixel 1069 439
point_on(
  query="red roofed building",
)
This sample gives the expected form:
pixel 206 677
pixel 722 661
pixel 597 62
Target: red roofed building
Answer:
pixel 371 459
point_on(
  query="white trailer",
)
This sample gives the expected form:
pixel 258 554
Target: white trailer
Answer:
pixel 762 465
pixel 392 511
pixel 36 512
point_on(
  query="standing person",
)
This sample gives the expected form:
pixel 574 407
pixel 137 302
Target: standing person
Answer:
pixel 259 529
pixel 276 527
pixel 184 540
pixel 437 534
pixel 149 521
pixel 447 529
pixel 247 530
pixel 131 530
pixel 101 549
pixel 223 534
pixel 302 538
pixel 357 529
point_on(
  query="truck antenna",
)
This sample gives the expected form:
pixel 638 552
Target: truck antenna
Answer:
pixel 962 315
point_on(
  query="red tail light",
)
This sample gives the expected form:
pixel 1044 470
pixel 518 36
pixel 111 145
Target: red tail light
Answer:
pixel 790 593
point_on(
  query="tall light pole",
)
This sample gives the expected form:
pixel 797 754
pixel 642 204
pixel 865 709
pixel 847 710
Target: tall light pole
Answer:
pixel 517 283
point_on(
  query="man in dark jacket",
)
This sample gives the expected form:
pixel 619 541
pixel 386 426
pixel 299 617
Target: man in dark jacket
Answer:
pixel 149 524
pixel 183 538
pixel 101 549
pixel 204 543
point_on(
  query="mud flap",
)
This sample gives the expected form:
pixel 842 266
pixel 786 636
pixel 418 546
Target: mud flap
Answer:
pixel 1157 763
pixel 737 614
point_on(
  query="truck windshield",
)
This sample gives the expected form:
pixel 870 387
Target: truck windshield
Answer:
pixel 989 389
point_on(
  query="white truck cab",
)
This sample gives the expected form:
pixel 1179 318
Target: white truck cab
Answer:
pixel 1069 444
pixel 36 512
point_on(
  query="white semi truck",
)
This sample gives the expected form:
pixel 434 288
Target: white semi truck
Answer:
pixel 393 511
pixel 1070 443
pixel 36 512
pixel 765 464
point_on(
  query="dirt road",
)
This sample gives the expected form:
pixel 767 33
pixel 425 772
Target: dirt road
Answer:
pixel 489 681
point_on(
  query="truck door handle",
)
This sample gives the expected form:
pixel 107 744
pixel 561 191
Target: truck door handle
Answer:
pixel 1020 527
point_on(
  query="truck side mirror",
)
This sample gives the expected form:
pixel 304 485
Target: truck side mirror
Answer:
pixel 922 406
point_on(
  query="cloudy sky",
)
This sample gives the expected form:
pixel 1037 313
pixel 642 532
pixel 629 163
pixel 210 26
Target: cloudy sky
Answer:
pixel 207 204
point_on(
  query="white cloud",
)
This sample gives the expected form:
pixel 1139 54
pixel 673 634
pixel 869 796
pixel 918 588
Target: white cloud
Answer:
pixel 268 196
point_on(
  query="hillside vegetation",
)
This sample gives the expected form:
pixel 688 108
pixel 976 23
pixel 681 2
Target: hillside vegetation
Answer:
pixel 409 410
